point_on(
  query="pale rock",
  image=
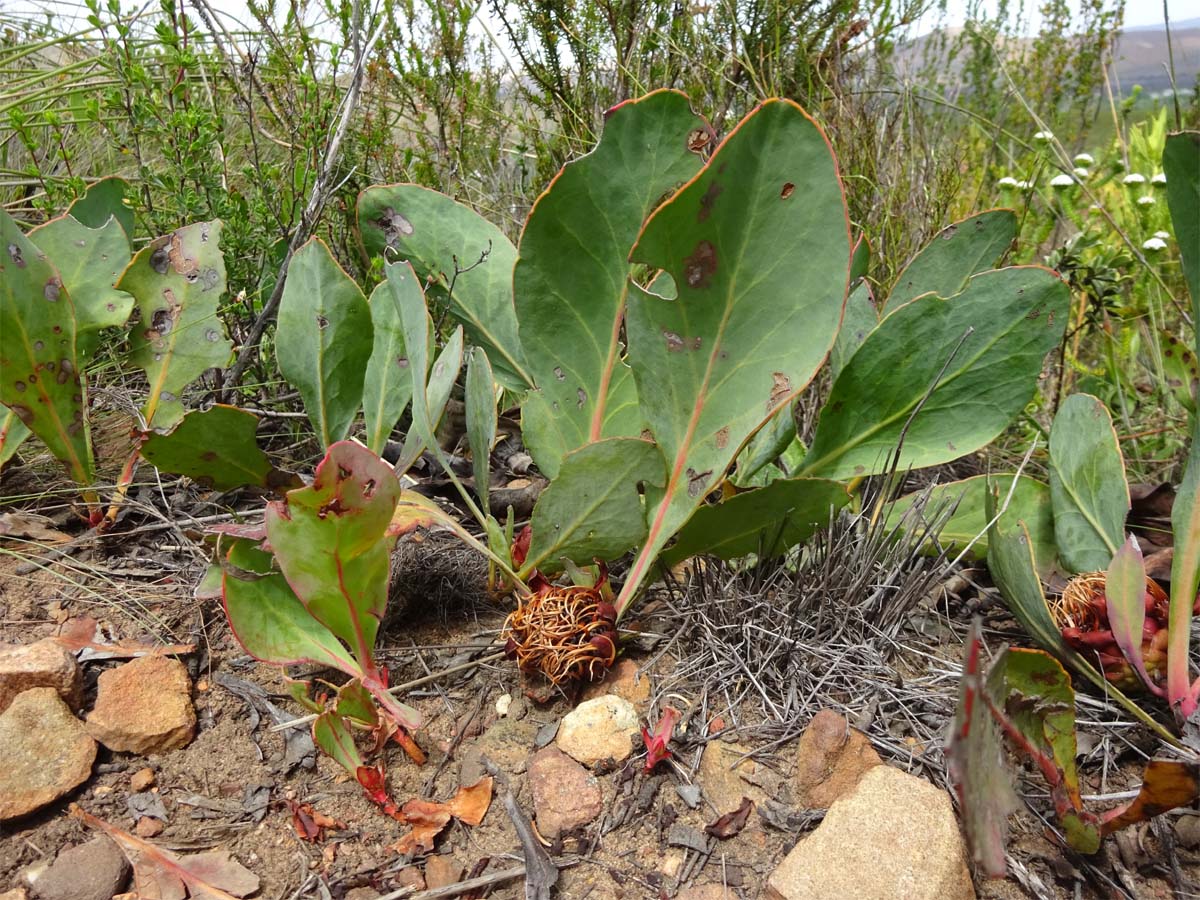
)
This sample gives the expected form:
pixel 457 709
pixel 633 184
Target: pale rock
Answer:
pixel 96 870
pixel 46 752
pixel 625 680
pixel 893 837
pixel 369 893
pixel 599 729
pixel 830 760
pixel 707 892
pixel 142 780
pixel 17 893
pixel 725 780
pixel 44 664
pixel 442 870
pixel 566 796
pixel 144 706
pixel 505 745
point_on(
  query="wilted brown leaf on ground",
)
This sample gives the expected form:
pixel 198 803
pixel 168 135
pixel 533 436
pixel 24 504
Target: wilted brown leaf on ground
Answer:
pixel 1166 784
pixel 469 805
pixel 309 824
pixel 731 823
pixel 84 637
pixel 29 527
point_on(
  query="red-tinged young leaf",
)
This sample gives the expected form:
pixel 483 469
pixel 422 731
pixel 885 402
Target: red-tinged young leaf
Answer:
pixel 1030 694
pixel 1185 579
pixel 159 874
pixel 1166 784
pixel 267 618
pixel 373 782
pixel 39 370
pixel 753 320
pixel 732 823
pixel 354 703
pixel 1125 593
pixel 331 733
pixel 975 757
pixel 330 540
pixel 83 637
pixel 657 748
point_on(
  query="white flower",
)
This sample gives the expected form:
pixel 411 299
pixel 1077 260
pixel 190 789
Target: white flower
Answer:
pixel 1081 172
pixel 1163 235
pixel 1062 180
pixel 1159 178
pixel 1154 244
pixel 1084 159
pixel 1008 182
pixel 1044 136
pixel 1134 178
pixel 1147 200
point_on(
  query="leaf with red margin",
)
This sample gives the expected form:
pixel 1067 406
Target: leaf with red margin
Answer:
pixel 158 873
pixel 975 759
pixel 1166 784
pixel 331 542
pixel 753 319
pixel 1125 593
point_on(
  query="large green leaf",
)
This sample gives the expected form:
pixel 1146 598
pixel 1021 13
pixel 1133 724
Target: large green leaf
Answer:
pixel 39 371
pixel 177 281
pixel 572 277
pixel 324 339
pixel 594 508
pixel 959 251
pixel 465 259
pixel 104 200
pixel 331 542
pixel 267 618
pixel 217 448
pixel 12 434
pixel 387 387
pixel 1029 503
pixel 90 261
pixel 1014 316
pixel 1087 484
pixel 767 521
pixel 759 247
pixel 1181 165
pixel 860 320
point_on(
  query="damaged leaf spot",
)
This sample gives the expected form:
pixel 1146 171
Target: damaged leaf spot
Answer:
pixel 322 322
pixel 698 268
pixel 15 254
pixel 723 438
pixel 53 290
pixel 212 335
pixel 559 373
pixel 698 139
pixel 707 201
pixel 582 395
pixel 781 387
pixel 395 226
pixel 158 259
pixel 697 481
pixel 674 341
pixel 160 321
pixel 209 456
pixel 402 362
pixel 787 191
pixel 24 413
pixel 20 386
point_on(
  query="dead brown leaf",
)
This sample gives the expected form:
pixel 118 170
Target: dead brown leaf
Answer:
pixel 159 874
pixel 731 823
pixel 469 805
pixel 309 824
pixel 1166 784
pixel 30 527
pixel 84 637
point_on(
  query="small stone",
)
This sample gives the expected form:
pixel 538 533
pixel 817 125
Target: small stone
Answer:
pixel 830 760
pixel 93 871
pixel 142 780
pixel 45 750
pixel 706 892
pixel 148 827
pixel 144 706
pixel 503 703
pixel 892 835
pixel 365 893
pixel 442 870
pixel 1187 831
pixel 725 781
pixel 17 893
pixel 44 664
pixel 599 729
pixel 408 877
pixel 506 745
pixel 625 680
pixel 565 794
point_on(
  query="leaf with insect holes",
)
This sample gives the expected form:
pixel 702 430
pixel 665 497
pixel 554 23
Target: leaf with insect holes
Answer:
pixel 753 321
pixel 767 521
pixel 267 617
pixel 324 339
pixel 1125 594
pixel 1029 503
pixel 975 760
pixel 1014 318
pixel 216 448
pixel 387 386
pixel 177 281
pixel 104 200
pixel 39 370
pixel 1181 165
pixel 90 261
pixel 572 277
pixel 1030 693
pixel 451 246
pixel 1087 484
pixel 331 541
pixel 481 420
pixel 593 509
pixel 957 252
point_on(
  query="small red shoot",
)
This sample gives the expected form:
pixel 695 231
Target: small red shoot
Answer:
pixel 656 744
